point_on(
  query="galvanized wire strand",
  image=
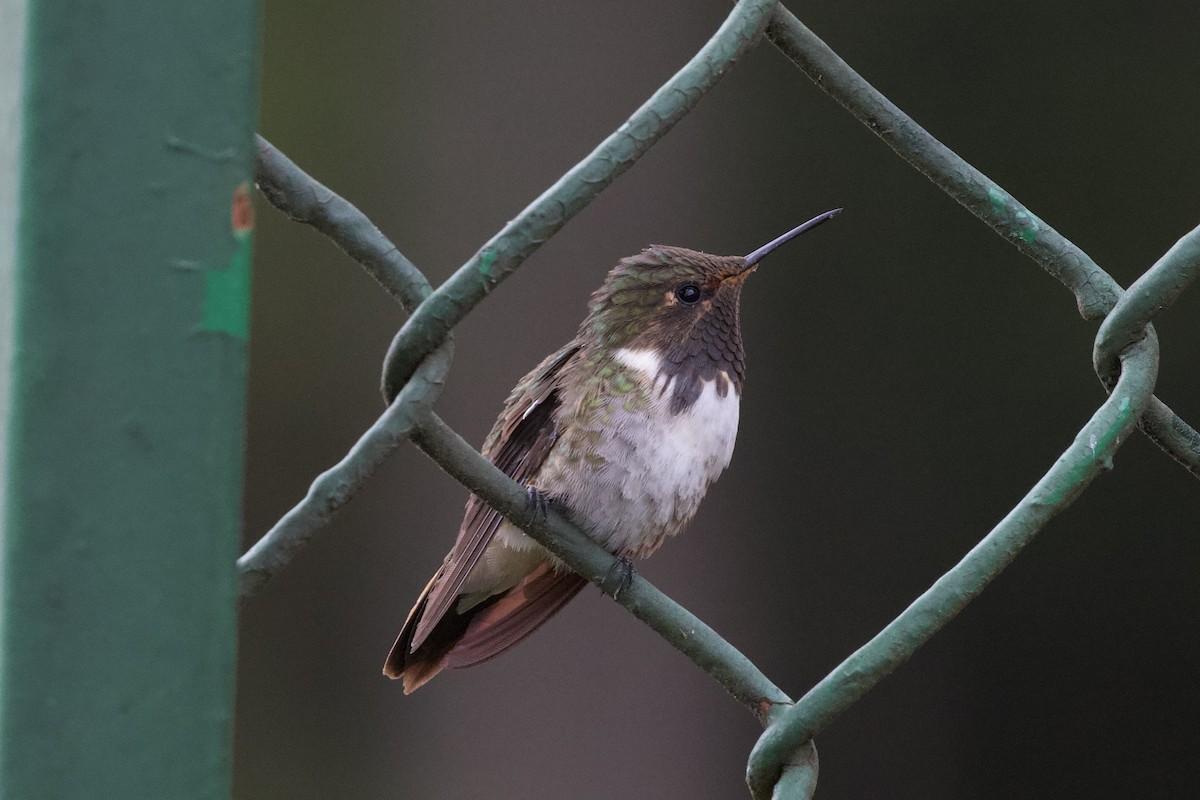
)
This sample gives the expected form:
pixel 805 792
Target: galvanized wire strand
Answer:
pixel 334 487
pixel 1090 454
pixel 1095 290
pixel 305 199
pixel 542 218
pixel 798 780
pixel 1168 430
pixel 293 191
pixel 1155 290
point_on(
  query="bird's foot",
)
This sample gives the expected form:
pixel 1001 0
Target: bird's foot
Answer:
pixel 539 501
pixel 619 577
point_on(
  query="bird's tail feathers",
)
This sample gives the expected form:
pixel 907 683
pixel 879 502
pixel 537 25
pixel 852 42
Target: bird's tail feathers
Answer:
pixel 481 632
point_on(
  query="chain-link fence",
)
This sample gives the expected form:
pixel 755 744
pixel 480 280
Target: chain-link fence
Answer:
pixel 783 763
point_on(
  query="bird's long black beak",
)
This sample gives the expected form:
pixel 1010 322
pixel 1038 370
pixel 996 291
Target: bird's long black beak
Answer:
pixel 761 252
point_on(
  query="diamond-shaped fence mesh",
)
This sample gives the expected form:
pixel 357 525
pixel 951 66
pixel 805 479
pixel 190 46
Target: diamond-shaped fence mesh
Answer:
pixel 783 763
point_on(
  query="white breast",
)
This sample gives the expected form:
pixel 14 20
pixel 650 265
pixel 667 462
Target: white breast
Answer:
pixel 695 445
pixel 676 456
pixel 633 472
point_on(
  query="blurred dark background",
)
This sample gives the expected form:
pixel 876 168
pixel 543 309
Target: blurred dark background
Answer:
pixel 910 377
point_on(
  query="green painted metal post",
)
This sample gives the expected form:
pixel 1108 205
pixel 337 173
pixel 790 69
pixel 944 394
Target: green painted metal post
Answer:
pixel 126 144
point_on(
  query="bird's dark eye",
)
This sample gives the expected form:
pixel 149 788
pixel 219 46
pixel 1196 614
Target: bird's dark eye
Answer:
pixel 688 294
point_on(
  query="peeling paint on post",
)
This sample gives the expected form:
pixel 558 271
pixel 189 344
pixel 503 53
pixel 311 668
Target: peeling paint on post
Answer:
pixel 227 290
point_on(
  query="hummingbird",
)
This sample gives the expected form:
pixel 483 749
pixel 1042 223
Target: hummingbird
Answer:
pixel 622 431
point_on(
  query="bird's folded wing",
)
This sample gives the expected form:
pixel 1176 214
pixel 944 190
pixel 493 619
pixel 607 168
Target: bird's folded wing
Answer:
pixel 518 444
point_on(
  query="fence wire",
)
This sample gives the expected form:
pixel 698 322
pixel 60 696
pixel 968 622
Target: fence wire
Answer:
pixel 783 763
